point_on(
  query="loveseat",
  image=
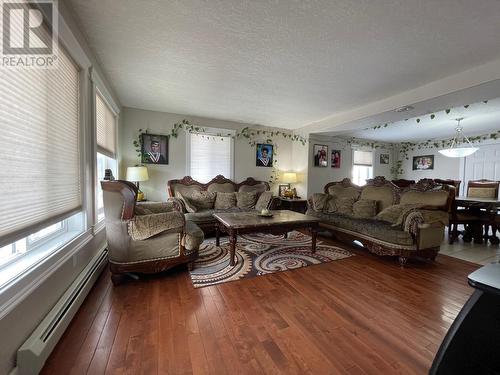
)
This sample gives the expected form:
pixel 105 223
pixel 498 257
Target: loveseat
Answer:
pixel 199 201
pixel 387 220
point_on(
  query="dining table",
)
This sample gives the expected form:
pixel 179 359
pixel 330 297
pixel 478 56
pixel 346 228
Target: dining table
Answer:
pixel 487 209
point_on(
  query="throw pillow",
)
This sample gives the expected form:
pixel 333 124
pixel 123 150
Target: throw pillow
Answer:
pixel 364 208
pixel 331 206
pixel 394 214
pixel 199 200
pixel 246 200
pixel 344 205
pixel 264 200
pixel 224 201
pixel 320 201
pixel 187 203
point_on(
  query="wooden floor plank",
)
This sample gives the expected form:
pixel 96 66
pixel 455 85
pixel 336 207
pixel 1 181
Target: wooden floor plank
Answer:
pixel 360 315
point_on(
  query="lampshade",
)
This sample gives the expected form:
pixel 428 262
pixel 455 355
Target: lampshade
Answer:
pixel 137 174
pixel 460 146
pixel 289 177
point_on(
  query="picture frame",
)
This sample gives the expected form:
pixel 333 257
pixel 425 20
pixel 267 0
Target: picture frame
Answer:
pixel 336 159
pixel 384 159
pixel 423 163
pixel 282 188
pixel 264 155
pixel 320 156
pixel 154 148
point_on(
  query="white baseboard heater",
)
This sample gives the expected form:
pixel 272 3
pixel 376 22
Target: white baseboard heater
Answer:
pixel 32 355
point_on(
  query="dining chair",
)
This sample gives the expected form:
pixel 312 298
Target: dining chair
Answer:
pixel 454 183
pixel 485 189
pixel 402 183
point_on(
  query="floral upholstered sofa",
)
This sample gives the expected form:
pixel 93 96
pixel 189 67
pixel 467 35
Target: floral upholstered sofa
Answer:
pixel 200 201
pixel 387 220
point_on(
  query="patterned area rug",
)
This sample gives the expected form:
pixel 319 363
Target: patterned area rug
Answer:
pixel 259 254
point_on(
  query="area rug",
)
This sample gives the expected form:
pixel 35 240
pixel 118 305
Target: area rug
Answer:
pixel 259 254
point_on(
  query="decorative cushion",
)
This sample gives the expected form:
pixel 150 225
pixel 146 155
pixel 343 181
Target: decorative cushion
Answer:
pixel 198 200
pixel 392 214
pixel 364 208
pixel 145 226
pixel 331 205
pixel 259 188
pixel 246 200
pixel 227 187
pixel 344 205
pixel 431 200
pixel 343 192
pixel 264 200
pixel 223 201
pixel 384 195
pixel 187 203
pixel 320 201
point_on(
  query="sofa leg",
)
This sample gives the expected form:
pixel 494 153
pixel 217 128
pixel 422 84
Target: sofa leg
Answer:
pixel 402 261
pixel 190 266
pixel 116 278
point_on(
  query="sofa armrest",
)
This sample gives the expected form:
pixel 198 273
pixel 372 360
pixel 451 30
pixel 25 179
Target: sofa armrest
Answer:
pixel 142 227
pixel 178 205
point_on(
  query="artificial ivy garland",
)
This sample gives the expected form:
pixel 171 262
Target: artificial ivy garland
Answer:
pixel 247 133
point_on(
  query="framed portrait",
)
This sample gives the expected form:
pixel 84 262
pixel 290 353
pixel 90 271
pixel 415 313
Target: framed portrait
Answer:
pixel 384 158
pixel 320 155
pixel 154 149
pixel 335 160
pixel 423 163
pixel 264 155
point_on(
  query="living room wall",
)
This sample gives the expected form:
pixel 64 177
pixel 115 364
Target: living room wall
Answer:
pixel 162 123
pixel 444 167
pixel 318 177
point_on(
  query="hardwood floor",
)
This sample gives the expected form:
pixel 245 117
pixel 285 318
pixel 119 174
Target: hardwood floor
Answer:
pixel 360 315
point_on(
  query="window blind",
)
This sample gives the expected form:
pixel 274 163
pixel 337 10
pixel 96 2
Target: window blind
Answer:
pixel 210 156
pixel 106 128
pixel 39 147
pixel 362 158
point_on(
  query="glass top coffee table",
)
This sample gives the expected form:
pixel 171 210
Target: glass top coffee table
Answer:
pixel 282 222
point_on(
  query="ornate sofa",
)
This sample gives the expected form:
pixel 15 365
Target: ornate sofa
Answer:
pixel 405 222
pixel 145 237
pixel 180 189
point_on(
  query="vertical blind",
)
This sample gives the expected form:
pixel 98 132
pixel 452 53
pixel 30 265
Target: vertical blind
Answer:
pixel 363 158
pixel 106 128
pixel 39 147
pixel 210 156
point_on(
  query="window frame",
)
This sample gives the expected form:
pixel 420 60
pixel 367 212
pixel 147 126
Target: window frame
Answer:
pixel 212 132
pixel 361 165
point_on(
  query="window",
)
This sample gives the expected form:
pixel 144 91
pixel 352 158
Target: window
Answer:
pixel 362 168
pixel 106 147
pixel 209 156
pixel 40 150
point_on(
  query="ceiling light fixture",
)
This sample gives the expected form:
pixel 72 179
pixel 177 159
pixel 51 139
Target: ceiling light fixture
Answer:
pixel 460 146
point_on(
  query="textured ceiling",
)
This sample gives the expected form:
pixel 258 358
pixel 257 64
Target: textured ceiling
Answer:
pixel 478 118
pixel 282 63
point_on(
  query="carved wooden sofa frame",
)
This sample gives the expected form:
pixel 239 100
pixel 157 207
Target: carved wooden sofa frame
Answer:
pixel 376 246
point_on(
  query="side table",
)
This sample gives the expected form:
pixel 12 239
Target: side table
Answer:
pixel 294 204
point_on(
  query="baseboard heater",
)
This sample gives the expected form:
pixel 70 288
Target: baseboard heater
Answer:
pixel 32 355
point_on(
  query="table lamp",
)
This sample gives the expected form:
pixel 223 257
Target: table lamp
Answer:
pixel 290 178
pixel 137 174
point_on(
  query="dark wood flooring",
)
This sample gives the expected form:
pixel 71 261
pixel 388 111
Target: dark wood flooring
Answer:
pixel 361 315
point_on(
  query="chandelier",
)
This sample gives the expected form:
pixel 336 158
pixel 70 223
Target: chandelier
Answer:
pixel 460 146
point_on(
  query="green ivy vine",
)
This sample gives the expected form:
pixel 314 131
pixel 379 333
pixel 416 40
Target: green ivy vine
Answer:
pixel 253 136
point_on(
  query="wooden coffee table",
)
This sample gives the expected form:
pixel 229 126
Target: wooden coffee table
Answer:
pixel 282 222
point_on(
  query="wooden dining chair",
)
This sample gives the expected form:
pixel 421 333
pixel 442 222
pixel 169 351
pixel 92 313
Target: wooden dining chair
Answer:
pixel 455 183
pixel 485 189
pixel 402 183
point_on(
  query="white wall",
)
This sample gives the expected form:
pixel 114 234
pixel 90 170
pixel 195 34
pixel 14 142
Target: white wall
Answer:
pixel 444 167
pixel 162 123
pixel 318 177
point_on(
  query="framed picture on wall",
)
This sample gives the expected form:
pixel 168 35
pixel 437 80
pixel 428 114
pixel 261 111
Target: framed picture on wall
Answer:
pixel 264 155
pixel 384 158
pixel 320 155
pixel 423 163
pixel 154 148
pixel 336 157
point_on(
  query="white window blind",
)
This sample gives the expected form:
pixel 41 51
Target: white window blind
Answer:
pixel 210 156
pixel 106 128
pixel 362 158
pixel 39 147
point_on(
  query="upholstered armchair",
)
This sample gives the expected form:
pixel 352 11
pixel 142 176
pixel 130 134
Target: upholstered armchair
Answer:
pixel 145 237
